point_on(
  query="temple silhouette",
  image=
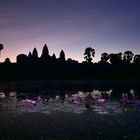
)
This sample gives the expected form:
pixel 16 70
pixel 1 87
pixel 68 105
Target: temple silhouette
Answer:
pixel 32 67
pixel 45 58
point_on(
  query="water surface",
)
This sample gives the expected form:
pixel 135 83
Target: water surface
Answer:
pixel 70 110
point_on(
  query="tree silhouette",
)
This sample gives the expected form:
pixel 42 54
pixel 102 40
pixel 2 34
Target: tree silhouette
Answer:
pixel 104 57
pixel 128 56
pixel 115 58
pixel 89 53
pixel 7 61
pixel 62 56
pixel 137 59
pixel 1 48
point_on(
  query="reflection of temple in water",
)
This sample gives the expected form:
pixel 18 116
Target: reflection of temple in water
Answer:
pixel 78 102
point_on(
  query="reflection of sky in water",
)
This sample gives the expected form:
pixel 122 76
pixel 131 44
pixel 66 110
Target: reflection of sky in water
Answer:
pixel 94 114
pixel 95 101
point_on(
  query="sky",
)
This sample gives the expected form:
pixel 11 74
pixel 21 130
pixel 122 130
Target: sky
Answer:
pixel 110 26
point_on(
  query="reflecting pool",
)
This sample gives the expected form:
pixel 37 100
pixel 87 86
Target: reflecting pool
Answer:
pixel 70 110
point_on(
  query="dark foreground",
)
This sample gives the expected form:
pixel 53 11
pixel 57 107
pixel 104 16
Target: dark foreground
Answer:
pixel 44 111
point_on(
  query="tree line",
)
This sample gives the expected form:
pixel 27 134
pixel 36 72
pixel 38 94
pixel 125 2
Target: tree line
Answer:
pixel 114 58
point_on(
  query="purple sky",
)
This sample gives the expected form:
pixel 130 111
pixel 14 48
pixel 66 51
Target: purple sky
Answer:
pixel 71 25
